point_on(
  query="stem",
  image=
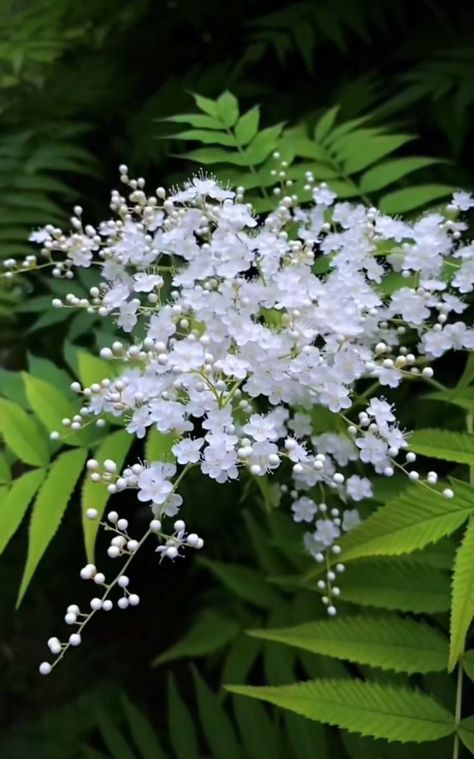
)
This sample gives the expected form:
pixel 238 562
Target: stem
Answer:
pixel 457 712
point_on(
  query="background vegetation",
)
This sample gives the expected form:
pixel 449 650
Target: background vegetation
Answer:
pixel 87 86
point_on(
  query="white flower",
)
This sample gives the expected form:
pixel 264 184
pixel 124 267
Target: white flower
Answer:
pixel 463 200
pixel 350 520
pixel 358 488
pixel 326 532
pixel 187 451
pixel 153 483
pixel 304 509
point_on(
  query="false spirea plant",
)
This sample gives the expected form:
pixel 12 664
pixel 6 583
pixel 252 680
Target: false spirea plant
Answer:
pixel 238 329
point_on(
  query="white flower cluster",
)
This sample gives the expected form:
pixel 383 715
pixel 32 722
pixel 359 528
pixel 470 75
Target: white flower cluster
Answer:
pixel 241 329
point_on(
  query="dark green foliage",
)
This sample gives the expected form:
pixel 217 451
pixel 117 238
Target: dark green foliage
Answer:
pixel 376 98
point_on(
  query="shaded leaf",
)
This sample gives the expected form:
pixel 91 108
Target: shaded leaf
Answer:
pixel 210 632
pixel 15 501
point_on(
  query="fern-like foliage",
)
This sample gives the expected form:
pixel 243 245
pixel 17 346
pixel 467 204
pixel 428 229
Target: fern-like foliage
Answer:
pixel 373 709
pixel 387 642
pixel 32 189
pixel 353 157
pixel 301 27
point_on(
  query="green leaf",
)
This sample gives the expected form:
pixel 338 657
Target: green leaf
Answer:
pixel 468 664
pixel 210 632
pixel 262 145
pixel 215 722
pixel 113 738
pixel 413 520
pixel 462 397
pixel 206 105
pixel 197 120
pixel 259 734
pixel 181 726
pixel 158 446
pixel 326 123
pixel 142 732
pixel 368 708
pixel 389 172
pixel 95 494
pixel 46 370
pixel 227 109
pixel 5 473
pixel 206 137
pixel 14 503
pixel 11 385
pixel 410 198
pixel 49 404
pixel 246 583
pixel 92 369
pixel 23 435
pixel 359 152
pixel 397 584
pixel 388 642
pixel 468 373
pixel 444 444
pixel 49 508
pixel 466 733
pixel 210 156
pixel 247 126
pixel 462 605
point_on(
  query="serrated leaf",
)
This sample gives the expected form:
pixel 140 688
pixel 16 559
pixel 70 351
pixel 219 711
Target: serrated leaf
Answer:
pixel 326 123
pixel 411 198
pixel 444 444
pixel 227 109
pixel 398 585
pixel 23 434
pixel 216 724
pixel 49 507
pixel 413 520
pixel 15 501
pixel 49 404
pixel 181 727
pixel 246 583
pixel 368 708
pixel 389 172
pixel 462 605
pixel 388 642
pixel 262 145
pixel 95 494
pixel 210 632
pixel 247 126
